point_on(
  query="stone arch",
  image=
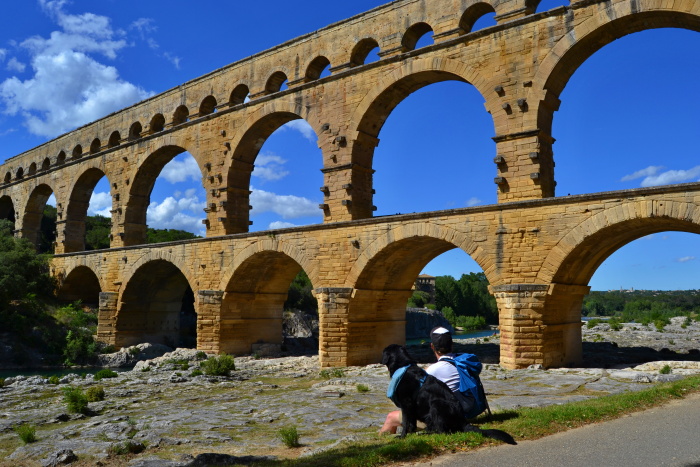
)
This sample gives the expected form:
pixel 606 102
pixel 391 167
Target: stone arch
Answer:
pixel 157 123
pixel 34 212
pixel 77 152
pixel 61 158
pixel 19 174
pixel 275 82
pixel 7 208
pixel 246 146
pixel 573 49
pixel 46 164
pixel 95 146
pixel 578 255
pixel 181 115
pixel 135 131
pixel 413 35
pixel 8 177
pixel 81 283
pixel 316 68
pixel 32 169
pixel 362 49
pixel 76 211
pixel 114 139
pixel 208 106
pixel 140 191
pixel 152 304
pixel 254 296
pixel 382 280
pixel 239 94
pixel 472 14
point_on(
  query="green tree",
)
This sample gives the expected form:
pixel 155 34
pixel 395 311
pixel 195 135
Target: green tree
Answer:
pixel 300 294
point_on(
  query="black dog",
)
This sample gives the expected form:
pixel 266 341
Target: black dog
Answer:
pixel 431 402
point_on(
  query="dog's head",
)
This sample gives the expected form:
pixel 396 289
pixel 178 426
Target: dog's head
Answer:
pixel 396 356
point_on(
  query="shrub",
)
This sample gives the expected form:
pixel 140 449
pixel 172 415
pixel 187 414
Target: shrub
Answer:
pixel 95 394
pixel 54 379
pixel 615 324
pixel 660 324
pixel 201 355
pixel 134 351
pixel 289 436
pixel 665 370
pixel 75 400
pixel 362 388
pixel 129 447
pixel 332 373
pixel 105 373
pixel 592 323
pixel 218 366
pixel 26 432
pixel 80 347
pixel 196 372
pixel 107 349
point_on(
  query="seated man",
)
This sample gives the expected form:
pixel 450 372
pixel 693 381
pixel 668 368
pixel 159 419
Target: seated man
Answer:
pixel 441 345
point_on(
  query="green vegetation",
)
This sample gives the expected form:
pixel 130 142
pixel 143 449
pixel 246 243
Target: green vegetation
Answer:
pixel 54 379
pixel 105 373
pixel 289 436
pixel 523 424
pixel 95 394
pixel 666 370
pixel 196 372
pixel 300 296
pixel 26 432
pixel 75 399
pixel 332 373
pixel 362 388
pixel 218 366
pixel 644 306
pixel 127 447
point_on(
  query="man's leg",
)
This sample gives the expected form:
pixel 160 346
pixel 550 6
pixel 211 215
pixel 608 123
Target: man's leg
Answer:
pixel 392 422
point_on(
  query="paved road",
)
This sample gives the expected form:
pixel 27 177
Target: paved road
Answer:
pixel 662 436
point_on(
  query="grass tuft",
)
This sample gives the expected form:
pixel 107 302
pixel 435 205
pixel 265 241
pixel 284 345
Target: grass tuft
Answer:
pixel 26 432
pixel 289 436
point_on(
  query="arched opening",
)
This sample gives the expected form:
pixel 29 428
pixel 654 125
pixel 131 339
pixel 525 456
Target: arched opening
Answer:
pixel 77 152
pixel 365 51
pixel 135 131
pixel 276 83
pixel 546 5
pixel 8 177
pixel 239 95
pixel 7 209
pixel 157 123
pixel 387 283
pixel 82 285
pixel 46 164
pixel 436 151
pixel 283 151
pixel 157 306
pixel 635 140
pixel 208 106
pixel 417 36
pixel 32 168
pixel 166 193
pixel 476 17
pixel 61 158
pixel 39 219
pixel 254 300
pixel 114 139
pixel 318 68
pixel 19 174
pixel 181 115
pixel 95 146
pixel 81 230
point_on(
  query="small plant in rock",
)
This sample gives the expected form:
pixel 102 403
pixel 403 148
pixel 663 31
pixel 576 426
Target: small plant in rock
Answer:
pixel 289 436
pixel 2 382
pixel 332 373
pixel 196 372
pixel 665 370
pixel 54 379
pixel 76 401
pixel 145 369
pixel 592 323
pixel 128 447
pixel 105 373
pixel 362 388
pixel 107 349
pixel 660 324
pixel 134 351
pixel 201 355
pixel 26 432
pixel 615 324
pixel 95 394
pixel 218 366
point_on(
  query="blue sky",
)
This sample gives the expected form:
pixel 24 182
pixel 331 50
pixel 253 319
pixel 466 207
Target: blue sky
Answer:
pixel 628 117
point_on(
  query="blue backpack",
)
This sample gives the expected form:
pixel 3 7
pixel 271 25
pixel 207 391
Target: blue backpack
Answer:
pixel 471 395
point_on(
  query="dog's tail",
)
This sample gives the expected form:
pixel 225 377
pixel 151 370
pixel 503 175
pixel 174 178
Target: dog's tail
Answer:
pixel 500 435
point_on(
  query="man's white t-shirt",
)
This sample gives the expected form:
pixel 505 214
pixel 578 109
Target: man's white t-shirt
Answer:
pixel 445 372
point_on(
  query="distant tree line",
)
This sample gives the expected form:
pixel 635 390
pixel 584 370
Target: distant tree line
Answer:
pixel 642 306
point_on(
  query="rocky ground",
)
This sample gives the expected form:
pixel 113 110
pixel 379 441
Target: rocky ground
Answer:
pixel 177 419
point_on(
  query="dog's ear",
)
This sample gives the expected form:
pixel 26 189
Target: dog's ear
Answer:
pixel 404 357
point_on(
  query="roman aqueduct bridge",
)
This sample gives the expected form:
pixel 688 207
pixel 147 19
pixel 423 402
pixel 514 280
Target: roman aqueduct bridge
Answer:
pixel 538 251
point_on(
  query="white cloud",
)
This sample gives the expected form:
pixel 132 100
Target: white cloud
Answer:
pixel 69 87
pixel 174 59
pixel 144 26
pixel 173 214
pixel 280 225
pixel 672 176
pixel 3 54
pixel 15 65
pixel 473 201
pixel 182 169
pixel 303 127
pixel 685 259
pixel 287 206
pixel 648 172
pixel 100 204
pixel 270 167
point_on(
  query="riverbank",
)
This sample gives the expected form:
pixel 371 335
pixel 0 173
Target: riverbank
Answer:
pixel 174 414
